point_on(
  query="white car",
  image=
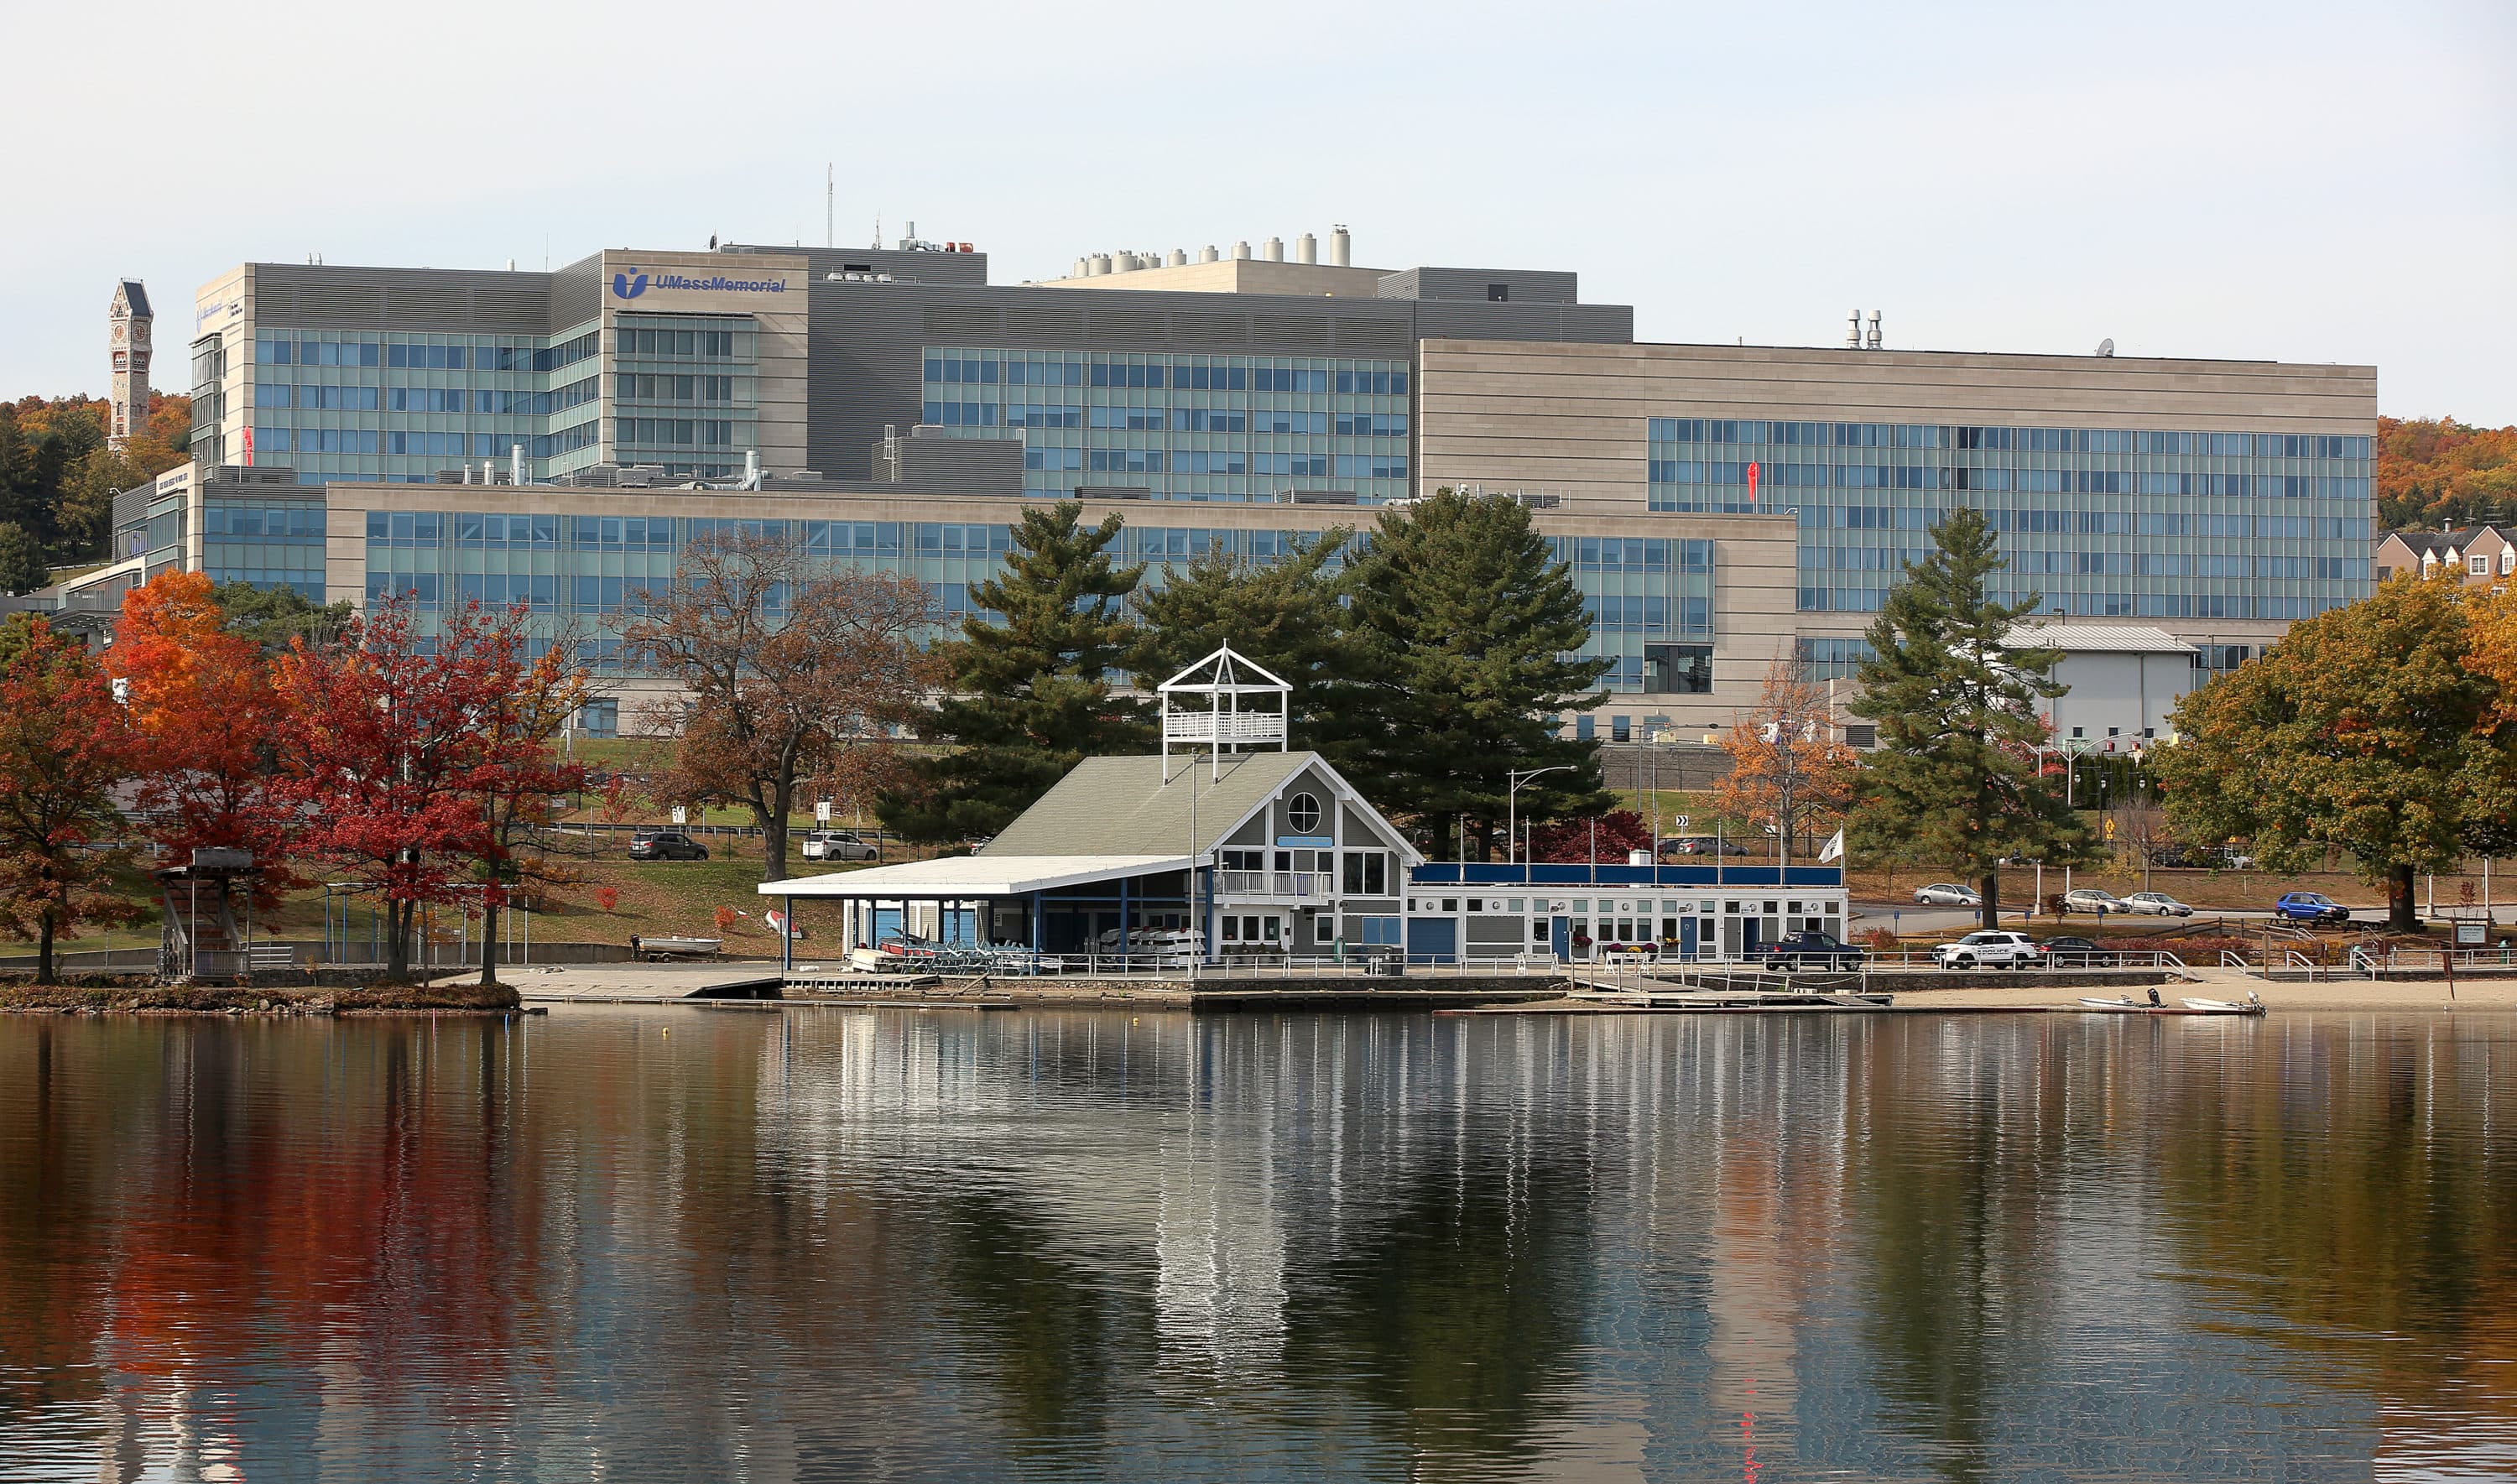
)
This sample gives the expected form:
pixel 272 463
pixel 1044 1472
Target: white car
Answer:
pixel 1948 894
pixel 839 845
pixel 1990 949
pixel 2088 899
pixel 2156 903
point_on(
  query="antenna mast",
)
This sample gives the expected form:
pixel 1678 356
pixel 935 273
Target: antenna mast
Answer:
pixel 830 205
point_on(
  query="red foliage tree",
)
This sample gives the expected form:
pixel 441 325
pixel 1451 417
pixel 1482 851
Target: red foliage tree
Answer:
pixel 411 753
pixel 205 718
pixel 64 747
pixel 1605 838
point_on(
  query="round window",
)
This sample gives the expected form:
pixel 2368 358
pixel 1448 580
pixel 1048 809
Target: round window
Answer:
pixel 1303 812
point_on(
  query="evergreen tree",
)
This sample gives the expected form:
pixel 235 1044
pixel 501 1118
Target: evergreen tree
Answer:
pixel 21 560
pixel 1285 615
pixel 1029 695
pixel 1462 626
pixel 1956 776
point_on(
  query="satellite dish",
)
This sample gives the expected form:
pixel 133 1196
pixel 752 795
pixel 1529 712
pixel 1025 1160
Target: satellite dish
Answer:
pixel 2107 347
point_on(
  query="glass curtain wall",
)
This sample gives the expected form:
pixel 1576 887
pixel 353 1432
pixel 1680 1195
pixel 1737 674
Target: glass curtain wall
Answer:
pixel 2105 522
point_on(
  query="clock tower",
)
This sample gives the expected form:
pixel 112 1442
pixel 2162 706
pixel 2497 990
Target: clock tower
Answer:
pixel 128 324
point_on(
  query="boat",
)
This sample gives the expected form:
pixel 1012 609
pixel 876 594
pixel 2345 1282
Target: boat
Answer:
pixel 2131 1006
pixel 658 950
pixel 2252 1005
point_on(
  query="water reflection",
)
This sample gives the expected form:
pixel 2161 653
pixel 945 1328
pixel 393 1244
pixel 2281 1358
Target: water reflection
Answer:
pixel 833 1245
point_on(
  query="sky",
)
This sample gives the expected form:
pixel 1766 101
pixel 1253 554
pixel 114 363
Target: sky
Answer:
pixel 2295 182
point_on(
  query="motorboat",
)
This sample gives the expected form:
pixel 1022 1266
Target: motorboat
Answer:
pixel 2252 1005
pixel 659 950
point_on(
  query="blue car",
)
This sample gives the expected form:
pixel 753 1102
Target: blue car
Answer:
pixel 2311 906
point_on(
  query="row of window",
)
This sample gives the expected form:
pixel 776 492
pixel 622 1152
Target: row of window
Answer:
pixel 641 386
pixel 2130 564
pixel 1789 476
pixel 2147 522
pixel 1358 466
pixel 657 431
pixel 2108 605
pixel 1720 430
pixel 270 349
pixel 289 520
pixel 1647 614
pixel 679 345
pixel 836 539
pixel 1191 374
pixel 1122 419
pixel 268 441
pixel 491 401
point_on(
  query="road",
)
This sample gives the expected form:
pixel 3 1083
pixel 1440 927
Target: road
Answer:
pixel 1907 916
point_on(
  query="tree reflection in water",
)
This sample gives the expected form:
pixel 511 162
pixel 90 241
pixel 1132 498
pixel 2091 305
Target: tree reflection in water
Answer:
pixel 768 1244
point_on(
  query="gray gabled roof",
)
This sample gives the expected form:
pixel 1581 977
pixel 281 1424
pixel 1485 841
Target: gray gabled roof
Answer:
pixel 136 297
pixel 1120 806
pixel 2095 639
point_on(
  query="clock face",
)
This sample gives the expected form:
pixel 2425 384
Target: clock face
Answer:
pixel 119 332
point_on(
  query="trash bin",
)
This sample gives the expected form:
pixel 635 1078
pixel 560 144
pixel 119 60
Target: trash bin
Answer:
pixel 1384 966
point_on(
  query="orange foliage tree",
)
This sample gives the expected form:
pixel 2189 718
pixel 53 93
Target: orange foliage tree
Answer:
pixel 205 719
pixel 2434 471
pixel 65 747
pixel 1787 770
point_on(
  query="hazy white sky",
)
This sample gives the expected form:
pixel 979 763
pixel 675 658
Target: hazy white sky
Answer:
pixel 2304 182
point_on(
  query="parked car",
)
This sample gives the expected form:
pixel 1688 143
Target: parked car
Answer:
pixel 1701 845
pixel 2311 906
pixel 1948 894
pixel 665 845
pixel 1990 949
pixel 2158 904
pixel 2067 952
pixel 2089 899
pixel 839 845
pixel 1809 949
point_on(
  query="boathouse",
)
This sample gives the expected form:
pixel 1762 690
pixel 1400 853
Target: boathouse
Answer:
pixel 1217 848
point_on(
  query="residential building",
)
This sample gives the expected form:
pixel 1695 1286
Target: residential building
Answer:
pixel 2486 555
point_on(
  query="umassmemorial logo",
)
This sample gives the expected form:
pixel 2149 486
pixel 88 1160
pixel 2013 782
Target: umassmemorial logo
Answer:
pixel 629 285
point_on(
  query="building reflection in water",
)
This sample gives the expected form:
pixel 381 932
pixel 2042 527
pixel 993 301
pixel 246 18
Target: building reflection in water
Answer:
pixel 783 1245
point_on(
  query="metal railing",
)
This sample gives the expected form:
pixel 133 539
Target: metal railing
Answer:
pixel 1301 885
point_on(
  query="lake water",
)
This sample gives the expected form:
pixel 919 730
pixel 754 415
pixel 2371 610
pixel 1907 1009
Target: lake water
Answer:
pixel 832 1245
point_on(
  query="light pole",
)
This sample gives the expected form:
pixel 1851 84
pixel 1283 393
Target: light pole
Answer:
pixel 1778 735
pixel 1511 806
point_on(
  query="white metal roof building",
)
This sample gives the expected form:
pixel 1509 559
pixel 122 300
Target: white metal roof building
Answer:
pixel 2124 679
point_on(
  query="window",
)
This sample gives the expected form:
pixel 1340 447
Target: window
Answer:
pixel 1498 293
pixel 1373 931
pixel 1245 860
pixel 1303 812
pixel 1621 729
pixel 1367 873
pixel 2480 566
pixel 1679 669
pixel 600 718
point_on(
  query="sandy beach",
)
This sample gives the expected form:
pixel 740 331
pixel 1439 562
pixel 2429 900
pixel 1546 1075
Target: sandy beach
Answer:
pixel 2497 992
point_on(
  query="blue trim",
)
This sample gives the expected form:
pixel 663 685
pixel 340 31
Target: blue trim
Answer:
pixel 1305 842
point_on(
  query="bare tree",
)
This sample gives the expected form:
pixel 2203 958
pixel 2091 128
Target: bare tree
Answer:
pixel 784 662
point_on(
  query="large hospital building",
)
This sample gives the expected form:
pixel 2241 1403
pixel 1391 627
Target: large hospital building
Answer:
pixel 1721 506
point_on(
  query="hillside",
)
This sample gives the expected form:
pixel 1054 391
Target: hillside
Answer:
pixel 2436 471
pixel 57 478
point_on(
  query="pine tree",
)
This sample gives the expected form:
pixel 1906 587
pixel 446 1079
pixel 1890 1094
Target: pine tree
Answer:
pixel 1462 624
pixel 1030 695
pixel 1956 776
pixel 1284 615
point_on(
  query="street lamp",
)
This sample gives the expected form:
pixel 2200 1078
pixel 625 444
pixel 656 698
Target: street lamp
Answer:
pixel 1512 805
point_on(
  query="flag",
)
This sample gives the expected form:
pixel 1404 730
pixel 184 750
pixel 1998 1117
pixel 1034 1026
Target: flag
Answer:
pixel 1834 848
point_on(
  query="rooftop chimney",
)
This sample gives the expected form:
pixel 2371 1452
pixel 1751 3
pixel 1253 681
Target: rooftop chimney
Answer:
pixel 1875 342
pixel 1341 246
pixel 1275 250
pixel 1853 332
pixel 1307 249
